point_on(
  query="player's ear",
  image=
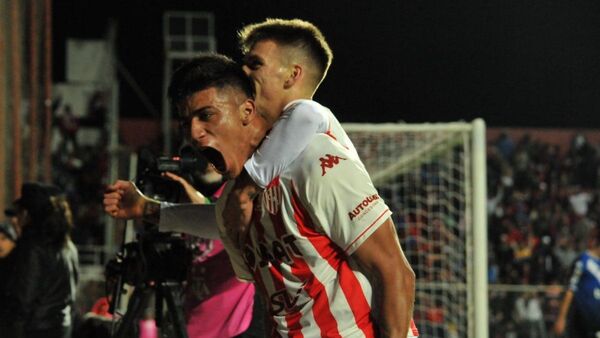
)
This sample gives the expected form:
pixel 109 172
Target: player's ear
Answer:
pixel 296 74
pixel 247 111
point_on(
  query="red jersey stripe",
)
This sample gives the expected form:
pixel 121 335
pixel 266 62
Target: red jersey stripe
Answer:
pixel 292 319
pixel 316 290
pixel 413 328
pixel 325 320
pixel 329 251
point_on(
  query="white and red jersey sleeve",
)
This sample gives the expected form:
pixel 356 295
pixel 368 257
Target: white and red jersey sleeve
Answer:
pixel 339 194
pixel 291 133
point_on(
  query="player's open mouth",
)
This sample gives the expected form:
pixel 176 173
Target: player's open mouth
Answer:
pixel 216 158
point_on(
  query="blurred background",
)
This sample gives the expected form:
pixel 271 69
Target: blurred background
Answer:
pixel 83 90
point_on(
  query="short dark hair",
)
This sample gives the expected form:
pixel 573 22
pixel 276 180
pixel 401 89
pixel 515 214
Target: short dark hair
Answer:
pixel 292 32
pixel 206 71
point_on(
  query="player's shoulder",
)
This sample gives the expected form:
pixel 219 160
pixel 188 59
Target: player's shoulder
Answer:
pixel 588 256
pixel 584 256
pixel 304 105
pixel 322 155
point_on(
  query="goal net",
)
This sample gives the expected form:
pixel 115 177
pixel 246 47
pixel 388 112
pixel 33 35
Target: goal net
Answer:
pixel 432 176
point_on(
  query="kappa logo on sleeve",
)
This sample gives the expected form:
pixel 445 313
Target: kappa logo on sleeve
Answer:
pixel 328 162
pixel 363 207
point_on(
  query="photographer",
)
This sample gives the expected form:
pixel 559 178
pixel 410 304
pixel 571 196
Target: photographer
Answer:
pixel 215 303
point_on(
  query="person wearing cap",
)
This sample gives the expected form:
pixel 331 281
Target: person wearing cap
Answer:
pixel 41 290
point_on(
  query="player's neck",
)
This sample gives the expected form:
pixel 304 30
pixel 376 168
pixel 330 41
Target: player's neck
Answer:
pixel 297 93
pixel 256 134
pixel 292 95
pixel 595 252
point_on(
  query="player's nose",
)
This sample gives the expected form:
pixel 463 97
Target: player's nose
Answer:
pixel 247 70
pixel 198 132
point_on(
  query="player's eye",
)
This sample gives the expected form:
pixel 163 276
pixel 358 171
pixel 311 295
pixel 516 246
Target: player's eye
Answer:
pixel 252 63
pixel 204 115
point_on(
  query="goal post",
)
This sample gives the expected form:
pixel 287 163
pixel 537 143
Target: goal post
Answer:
pixel 433 177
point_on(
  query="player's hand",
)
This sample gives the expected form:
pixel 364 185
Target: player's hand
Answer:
pixel 559 326
pixel 194 195
pixel 123 200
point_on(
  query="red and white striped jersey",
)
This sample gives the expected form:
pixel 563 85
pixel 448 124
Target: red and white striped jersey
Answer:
pixel 306 225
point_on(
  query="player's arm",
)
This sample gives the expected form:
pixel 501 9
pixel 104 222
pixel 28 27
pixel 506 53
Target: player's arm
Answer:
pixel 287 139
pixel 561 321
pixel 340 193
pixel 560 325
pixel 123 200
pixel 382 255
pixel 289 136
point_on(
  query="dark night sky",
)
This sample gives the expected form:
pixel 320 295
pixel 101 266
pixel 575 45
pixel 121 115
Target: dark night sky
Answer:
pixel 514 63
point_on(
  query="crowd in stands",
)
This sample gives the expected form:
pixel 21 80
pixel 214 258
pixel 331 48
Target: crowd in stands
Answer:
pixel 542 202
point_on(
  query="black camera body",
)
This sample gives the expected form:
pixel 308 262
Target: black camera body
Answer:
pixel 155 256
pixel 190 164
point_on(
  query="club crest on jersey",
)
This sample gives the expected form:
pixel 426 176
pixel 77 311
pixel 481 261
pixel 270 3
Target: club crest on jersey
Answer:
pixel 328 162
pixel 271 197
pixel 363 206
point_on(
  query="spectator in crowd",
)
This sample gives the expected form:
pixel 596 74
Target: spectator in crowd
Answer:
pixel 539 208
pixel 529 312
pixel 542 211
pixel 41 290
pixel 565 253
pixel 68 125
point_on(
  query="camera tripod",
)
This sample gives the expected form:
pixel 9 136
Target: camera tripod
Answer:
pixel 168 291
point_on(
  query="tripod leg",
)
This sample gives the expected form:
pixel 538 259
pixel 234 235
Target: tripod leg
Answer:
pixel 137 303
pixel 171 292
pixel 158 307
